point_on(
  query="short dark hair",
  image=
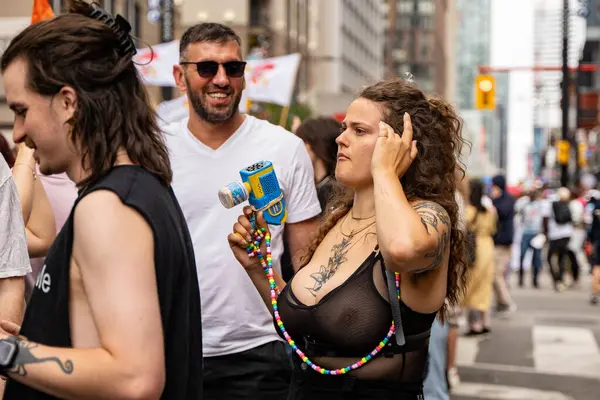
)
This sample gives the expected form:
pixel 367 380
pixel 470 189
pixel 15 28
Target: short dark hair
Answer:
pixel 206 32
pixel 113 108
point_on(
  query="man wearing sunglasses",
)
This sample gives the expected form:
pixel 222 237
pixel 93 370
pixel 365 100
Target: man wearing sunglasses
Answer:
pixel 244 358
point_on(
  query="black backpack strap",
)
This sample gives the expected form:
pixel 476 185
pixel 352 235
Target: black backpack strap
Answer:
pixel 390 278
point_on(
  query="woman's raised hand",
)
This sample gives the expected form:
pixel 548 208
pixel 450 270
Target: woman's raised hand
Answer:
pixel 394 153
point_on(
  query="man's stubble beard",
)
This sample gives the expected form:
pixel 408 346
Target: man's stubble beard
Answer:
pixel 203 111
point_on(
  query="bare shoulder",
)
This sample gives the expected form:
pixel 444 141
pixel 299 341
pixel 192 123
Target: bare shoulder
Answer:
pixel 105 207
pixel 433 215
pixel 103 221
pixel 99 201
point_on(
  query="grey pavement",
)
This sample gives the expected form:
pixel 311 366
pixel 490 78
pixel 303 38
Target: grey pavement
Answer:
pixel 547 350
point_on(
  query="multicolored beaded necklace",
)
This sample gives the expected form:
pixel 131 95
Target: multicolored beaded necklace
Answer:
pixel 254 250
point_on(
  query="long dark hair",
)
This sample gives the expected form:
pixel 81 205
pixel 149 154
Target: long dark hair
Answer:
pixel 477 189
pixel 113 109
pixel 437 130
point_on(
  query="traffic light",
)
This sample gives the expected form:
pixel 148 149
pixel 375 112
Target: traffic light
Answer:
pixel 485 92
pixel 563 148
pixel 582 156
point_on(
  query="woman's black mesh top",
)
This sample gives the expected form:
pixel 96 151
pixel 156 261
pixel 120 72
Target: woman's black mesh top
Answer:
pixel 351 320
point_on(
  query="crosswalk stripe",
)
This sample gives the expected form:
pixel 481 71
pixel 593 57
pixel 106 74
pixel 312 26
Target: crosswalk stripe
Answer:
pixel 501 368
pixel 501 392
pixel 467 351
pixel 565 351
pixel 557 350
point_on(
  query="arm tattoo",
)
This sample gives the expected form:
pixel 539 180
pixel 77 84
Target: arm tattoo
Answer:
pixel 25 357
pixel 432 216
pixel 337 258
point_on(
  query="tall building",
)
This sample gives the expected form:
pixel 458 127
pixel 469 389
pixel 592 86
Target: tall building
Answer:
pixel 589 88
pixel 483 129
pixel 267 28
pixel 259 23
pixel 473 39
pixel 349 52
pixel 16 16
pixel 450 44
pixel 421 43
pixel 548 32
pixel 547 92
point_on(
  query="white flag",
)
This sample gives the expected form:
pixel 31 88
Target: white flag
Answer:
pixel 272 80
pixel 157 69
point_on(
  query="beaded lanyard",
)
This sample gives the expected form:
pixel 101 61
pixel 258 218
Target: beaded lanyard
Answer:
pixel 254 250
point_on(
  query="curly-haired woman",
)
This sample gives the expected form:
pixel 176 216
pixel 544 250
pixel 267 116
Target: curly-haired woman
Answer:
pixel 394 230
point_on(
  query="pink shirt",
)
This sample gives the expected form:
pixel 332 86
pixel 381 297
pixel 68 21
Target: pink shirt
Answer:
pixel 61 192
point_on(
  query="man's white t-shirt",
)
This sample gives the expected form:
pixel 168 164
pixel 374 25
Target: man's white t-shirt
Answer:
pixel 234 317
pixel 14 258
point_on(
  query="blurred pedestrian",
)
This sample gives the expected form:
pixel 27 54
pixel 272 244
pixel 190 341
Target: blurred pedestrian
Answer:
pixel 558 227
pixel 482 221
pixel 532 215
pixel 504 203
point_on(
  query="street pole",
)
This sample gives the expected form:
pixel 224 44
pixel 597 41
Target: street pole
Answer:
pixel 305 58
pixel 391 39
pixel 298 8
pixel 564 168
pixel 578 157
pixel 166 35
pixel 131 17
pixel 288 23
pixel 414 24
pixel 501 113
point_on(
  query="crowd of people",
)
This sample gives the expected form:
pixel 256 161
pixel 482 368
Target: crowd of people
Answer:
pixel 144 286
pixel 562 223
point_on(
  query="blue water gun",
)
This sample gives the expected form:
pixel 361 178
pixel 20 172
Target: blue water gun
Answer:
pixel 260 187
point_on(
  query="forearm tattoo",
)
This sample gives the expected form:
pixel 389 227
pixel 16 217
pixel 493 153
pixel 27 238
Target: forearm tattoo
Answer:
pixel 25 358
pixel 433 216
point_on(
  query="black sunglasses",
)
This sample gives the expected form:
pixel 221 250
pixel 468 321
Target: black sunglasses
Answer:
pixel 208 69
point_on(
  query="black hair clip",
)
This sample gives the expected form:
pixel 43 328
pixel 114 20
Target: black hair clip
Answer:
pixel 120 27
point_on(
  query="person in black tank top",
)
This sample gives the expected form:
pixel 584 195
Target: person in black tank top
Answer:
pixel 115 312
pixel 389 254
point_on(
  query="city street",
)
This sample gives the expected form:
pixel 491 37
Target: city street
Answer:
pixel 547 350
